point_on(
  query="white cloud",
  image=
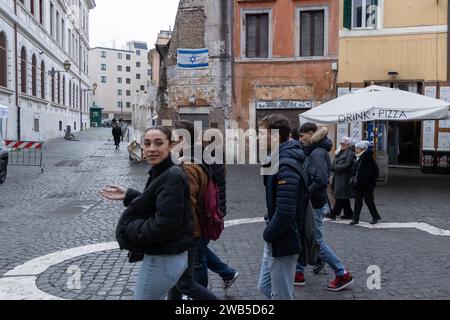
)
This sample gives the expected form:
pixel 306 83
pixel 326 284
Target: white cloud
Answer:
pixel 117 21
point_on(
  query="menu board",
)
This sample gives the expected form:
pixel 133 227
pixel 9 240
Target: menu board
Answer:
pixel 444 141
pixel 445 95
pixel 342 129
pixel 429 127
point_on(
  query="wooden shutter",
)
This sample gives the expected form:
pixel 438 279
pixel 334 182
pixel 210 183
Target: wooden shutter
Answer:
pixel 312 33
pixel 305 34
pixel 251 35
pixel 319 38
pixel 264 36
pixel 3 61
pixel 257 35
pixel 348 14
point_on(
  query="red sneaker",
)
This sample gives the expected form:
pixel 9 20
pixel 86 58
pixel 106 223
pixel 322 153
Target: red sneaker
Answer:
pixel 299 279
pixel 340 283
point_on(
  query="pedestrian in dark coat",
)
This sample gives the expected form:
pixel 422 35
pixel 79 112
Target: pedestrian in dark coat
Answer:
pixel 364 180
pixel 342 168
pixel 317 173
pixel 117 133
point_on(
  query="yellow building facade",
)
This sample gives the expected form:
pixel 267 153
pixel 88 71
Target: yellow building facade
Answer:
pixel 399 44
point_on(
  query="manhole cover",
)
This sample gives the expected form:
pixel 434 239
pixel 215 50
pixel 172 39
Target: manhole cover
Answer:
pixel 69 163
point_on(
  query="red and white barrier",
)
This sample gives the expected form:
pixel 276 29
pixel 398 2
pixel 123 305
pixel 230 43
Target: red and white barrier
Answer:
pixel 23 144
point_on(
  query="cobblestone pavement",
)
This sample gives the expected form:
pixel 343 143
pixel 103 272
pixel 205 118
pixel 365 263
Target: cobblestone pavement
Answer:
pixel 62 209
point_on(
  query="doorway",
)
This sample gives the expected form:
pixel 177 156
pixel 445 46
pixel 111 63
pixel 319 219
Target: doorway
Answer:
pixel 404 143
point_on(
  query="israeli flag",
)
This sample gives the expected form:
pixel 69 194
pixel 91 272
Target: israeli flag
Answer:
pixel 193 58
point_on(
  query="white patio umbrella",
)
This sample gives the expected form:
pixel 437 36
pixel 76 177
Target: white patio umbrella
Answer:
pixel 377 103
pixel 3 112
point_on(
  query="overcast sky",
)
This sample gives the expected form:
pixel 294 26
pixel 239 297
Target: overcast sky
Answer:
pixel 119 21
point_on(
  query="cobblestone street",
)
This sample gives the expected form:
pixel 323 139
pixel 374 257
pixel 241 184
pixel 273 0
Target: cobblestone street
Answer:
pixel 62 209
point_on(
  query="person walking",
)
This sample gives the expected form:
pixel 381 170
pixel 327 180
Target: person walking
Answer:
pixel 317 174
pixel 364 180
pixel 198 183
pixel 286 201
pixel 342 168
pixel 157 225
pixel 206 257
pixel 117 134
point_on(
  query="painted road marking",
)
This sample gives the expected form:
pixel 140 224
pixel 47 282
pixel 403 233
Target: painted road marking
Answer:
pixel 20 283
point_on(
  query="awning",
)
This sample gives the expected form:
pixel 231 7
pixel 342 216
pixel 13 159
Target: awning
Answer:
pixel 377 103
pixel 3 111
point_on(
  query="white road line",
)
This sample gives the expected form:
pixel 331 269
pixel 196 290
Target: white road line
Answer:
pixel 37 266
pixel 407 225
pixel 20 283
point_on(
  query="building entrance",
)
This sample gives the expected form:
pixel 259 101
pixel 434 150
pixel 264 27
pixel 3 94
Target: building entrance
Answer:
pixel 404 143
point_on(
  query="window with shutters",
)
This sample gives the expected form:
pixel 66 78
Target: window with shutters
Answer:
pixel 361 14
pixel 36 125
pixel 23 70
pixel 312 33
pixel 257 35
pixel 34 76
pixel 3 61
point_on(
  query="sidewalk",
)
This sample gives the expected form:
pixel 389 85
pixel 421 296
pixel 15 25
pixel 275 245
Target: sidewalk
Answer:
pixel 62 209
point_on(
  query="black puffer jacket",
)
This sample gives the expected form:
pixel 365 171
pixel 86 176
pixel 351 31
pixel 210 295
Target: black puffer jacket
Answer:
pixel 159 220
pixel 286 200
pixel 366 171
pixel 318 167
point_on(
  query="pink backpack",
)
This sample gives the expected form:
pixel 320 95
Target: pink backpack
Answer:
pixel 211 220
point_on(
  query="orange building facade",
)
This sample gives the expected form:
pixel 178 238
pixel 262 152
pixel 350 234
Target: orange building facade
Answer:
pixel 285 58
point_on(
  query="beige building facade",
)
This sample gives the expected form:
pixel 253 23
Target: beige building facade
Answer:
pixel 399 44
pixel 122 76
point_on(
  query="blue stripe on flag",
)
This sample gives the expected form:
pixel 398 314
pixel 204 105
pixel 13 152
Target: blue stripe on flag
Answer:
pixel 182 51
pixel 193 66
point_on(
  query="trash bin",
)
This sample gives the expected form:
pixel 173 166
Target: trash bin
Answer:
pixel 443 162
pixel 429 161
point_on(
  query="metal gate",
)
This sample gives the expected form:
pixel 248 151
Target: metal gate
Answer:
pixel 25 153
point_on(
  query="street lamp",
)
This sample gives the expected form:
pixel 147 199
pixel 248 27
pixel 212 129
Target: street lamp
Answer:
pixel 66 65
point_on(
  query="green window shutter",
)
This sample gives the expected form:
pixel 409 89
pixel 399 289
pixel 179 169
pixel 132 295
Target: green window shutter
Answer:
pixel 348 14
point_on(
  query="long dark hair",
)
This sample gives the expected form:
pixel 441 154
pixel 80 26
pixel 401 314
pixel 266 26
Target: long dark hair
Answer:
pixel 166 131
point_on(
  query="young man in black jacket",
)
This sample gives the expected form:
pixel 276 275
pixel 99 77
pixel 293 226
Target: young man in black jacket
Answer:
pixel 317 169
pixel 286 200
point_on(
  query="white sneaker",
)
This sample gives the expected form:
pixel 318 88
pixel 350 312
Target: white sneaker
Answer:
pixel 228 283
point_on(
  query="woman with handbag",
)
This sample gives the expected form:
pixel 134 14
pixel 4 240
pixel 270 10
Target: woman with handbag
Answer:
pixel 363 181
pixel 158 222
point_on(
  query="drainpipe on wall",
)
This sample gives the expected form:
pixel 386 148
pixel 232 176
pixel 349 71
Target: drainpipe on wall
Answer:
pixel 448 42
pixel 233 48
pixel 81 91
pixel 17 73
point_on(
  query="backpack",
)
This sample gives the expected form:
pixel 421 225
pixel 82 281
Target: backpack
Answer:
pixel 211 219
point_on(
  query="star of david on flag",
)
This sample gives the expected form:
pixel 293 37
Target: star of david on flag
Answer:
pixel 193 58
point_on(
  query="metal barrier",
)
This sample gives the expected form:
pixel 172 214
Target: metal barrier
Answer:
pixel 25 153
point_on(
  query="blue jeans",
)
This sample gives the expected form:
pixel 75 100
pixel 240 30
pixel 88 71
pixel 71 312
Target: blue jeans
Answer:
pixel 187 284
pixel 159 274
pixel 326 254
pixel 207 259
pixel 276 279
